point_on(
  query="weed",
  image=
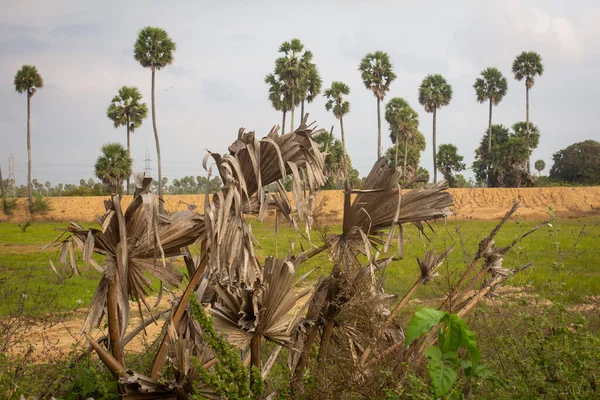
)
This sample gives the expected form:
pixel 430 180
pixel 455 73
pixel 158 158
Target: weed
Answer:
pixel 25 226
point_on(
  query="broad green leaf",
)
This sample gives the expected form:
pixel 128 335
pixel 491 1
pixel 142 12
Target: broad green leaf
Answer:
pixel 469 340
pixel 422 322
pixel 441 374
pixel 453 337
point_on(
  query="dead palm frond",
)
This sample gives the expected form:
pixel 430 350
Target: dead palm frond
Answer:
pixel 133 243
pixel 248 314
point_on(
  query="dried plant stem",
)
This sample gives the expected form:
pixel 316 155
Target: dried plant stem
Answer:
pixel 255 343
pixel 389 320
pixel 325 339
pixel 114 332
pixel 181 306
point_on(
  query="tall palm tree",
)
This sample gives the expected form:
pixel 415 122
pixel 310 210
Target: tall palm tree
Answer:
pixel 404 125
pixel 154 49
pixel 336 102
pixel 434 93
pixel 28 80
pixel 126 109
pixel 527 65
pixel 492 87
pixel 114 165
pixel 377 75
pixel 293 69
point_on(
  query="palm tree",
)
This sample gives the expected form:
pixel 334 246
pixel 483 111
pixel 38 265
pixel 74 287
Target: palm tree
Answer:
pixel 404 124
pixel 114 165
pixel 434 93
pixel 312 85
pixel 278 95
pixel 540 165
pixel 293 69
pixel 125 109
pixel 491 86
pixel 154 49
pixel 28 80
pixel 336 102
pixel 377 75
pixel 527 65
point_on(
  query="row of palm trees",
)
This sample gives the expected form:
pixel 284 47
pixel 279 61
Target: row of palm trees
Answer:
pixel 153 49
pixel 296 79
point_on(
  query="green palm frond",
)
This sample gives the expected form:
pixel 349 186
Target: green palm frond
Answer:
pixel 528 65
pixel 154 48
pixel 492 85
pixel 403 119
pixel 335 99
pixel 28 79
pixel 376 73
pixel 126 107
pixel 434 92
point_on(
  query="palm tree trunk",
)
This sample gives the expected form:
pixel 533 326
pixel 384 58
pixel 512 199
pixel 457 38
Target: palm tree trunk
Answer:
pixel 255 350
pixel 405 157
pixel 489 146
pixel 396 161
pixel 128 151
pixel 302 110
pixel 490 130
pixel 161 207
pixel 283 123
pixel 29 186
pixel 2 190
pixel 527 125
pixel 344 154
pixel 434 149
pixel 293 107
pixel 378 128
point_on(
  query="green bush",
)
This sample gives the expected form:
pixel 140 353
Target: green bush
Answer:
pixel 553 355
pixel 41 205
pixel 8 205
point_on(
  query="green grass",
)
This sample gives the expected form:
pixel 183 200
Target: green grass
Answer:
pixel 565 255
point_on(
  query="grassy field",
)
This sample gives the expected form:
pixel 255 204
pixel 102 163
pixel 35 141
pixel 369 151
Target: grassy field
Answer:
pixel 565 255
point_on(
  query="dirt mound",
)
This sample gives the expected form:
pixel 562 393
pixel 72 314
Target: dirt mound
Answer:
pixel 469 204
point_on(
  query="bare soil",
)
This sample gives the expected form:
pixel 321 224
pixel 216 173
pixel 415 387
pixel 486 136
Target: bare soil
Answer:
pixel 480 204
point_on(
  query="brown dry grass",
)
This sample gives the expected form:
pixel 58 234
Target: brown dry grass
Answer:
pixel 481 204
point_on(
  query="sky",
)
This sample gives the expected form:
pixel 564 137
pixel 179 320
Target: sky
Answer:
pixel 84 52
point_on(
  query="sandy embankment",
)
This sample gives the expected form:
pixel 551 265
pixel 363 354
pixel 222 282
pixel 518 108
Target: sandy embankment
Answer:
pixel 482 204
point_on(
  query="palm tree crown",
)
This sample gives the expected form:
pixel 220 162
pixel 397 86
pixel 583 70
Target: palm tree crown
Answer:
pixel 313 83
pixel 28 79
pixel 126 109
pixel 376 73
pixel 154 48
pixel 492 85
pixel 403 119
pixel 434 92
pixel 528 65
pixel 114 165
pixel 335 99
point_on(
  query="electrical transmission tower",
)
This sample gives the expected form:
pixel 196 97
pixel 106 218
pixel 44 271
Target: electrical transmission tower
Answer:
pixel 147 167
pixel 11 175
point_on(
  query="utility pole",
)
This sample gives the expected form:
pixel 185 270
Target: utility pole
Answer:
pixel 147 166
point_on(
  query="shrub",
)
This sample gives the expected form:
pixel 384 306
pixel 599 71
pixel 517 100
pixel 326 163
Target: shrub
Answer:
pixel 41 205
pixel 8 205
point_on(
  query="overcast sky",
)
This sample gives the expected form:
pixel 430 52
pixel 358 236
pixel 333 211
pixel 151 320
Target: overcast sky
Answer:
pixel 84 52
